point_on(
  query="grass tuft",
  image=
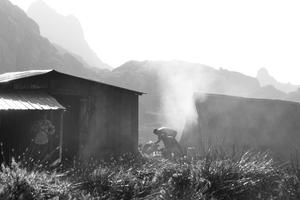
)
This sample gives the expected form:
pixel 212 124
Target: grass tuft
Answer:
pixel 252 175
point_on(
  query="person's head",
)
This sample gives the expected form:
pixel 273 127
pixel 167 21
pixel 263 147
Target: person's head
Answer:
pixel 155 131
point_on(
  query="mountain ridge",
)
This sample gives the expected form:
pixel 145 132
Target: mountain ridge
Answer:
pixel 65 31
pixel 265 79
pixel 23 48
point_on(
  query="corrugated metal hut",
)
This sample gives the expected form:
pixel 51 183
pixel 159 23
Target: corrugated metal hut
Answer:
pixel 87 118
pixel 235 122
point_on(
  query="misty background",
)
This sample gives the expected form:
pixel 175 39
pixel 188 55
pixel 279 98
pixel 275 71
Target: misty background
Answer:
pixel 248 49
pixel 237 35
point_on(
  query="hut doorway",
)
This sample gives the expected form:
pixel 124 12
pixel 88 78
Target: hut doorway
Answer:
pixel 70 143
pixel 18 139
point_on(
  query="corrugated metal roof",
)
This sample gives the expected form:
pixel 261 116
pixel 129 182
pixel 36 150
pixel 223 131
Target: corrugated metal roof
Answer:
pixel 28 101
pixel 11 76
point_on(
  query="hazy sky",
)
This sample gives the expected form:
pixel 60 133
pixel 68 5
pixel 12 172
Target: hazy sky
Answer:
pixel 237 35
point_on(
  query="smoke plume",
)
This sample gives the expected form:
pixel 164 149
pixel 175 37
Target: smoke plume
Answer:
pixel 178 85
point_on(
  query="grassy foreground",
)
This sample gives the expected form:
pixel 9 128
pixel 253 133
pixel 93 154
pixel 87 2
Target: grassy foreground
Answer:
pixel 249 176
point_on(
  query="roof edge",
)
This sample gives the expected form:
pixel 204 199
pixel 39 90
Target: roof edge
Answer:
pixel 96 81
pixel 11 76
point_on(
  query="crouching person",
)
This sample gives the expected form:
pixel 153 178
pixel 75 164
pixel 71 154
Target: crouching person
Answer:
pixel 172 147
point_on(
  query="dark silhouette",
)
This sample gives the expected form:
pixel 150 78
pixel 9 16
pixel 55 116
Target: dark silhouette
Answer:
pixel 167 136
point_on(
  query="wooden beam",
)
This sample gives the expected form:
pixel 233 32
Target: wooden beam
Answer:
pixel 61 135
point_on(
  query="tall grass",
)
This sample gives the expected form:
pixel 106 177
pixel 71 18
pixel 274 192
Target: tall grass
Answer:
pixel 248 176
pixel 19 183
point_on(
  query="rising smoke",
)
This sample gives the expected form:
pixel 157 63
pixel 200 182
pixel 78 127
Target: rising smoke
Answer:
pixel 179 83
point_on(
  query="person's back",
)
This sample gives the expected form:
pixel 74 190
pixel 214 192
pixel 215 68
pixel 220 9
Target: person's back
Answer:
pixel 167 135
pixel 167 131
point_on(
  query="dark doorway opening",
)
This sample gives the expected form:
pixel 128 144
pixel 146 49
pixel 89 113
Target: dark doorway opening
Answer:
pixel 18 139
pixel 70 127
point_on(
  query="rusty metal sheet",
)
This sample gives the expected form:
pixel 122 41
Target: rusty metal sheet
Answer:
pixel 28 101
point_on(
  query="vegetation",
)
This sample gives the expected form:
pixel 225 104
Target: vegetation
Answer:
pixel 248 176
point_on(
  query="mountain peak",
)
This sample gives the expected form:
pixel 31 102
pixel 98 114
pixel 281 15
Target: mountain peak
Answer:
pixel 42 6
pixel 264 78
pixel 40 3
pixel 262 72
pixel 23 48
pixel 68 32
